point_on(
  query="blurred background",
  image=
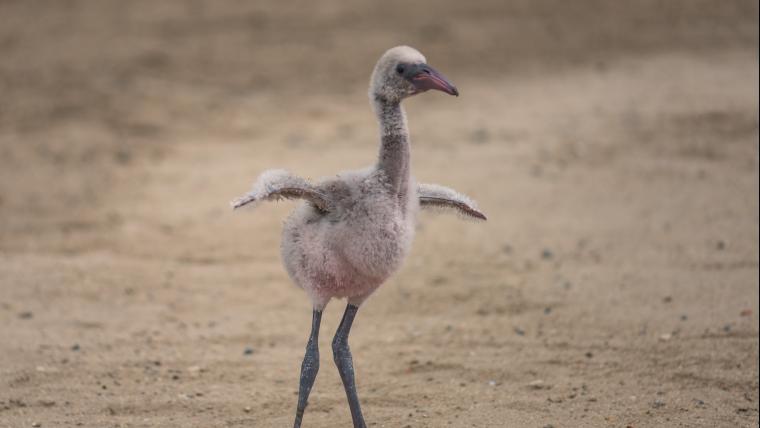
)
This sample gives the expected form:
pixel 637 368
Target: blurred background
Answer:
pixel 613 145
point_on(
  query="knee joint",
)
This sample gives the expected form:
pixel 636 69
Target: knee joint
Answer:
pixel 340 349
pixel 311 360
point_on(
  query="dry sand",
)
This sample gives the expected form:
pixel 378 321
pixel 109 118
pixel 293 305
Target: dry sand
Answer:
pixel 614 146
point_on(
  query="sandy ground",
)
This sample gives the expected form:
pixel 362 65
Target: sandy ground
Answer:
pixel 614 146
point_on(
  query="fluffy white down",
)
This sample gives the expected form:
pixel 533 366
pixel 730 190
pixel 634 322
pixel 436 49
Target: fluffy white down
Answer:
pixel 351 250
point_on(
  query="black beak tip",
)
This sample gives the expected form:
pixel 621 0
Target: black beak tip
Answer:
pixel 454 91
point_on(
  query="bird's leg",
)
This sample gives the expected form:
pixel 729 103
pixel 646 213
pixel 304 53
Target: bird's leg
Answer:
pixel 342 357
pixel 309 367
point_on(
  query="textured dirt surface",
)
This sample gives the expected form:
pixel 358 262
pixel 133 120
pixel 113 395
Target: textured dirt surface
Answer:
pixel 613 145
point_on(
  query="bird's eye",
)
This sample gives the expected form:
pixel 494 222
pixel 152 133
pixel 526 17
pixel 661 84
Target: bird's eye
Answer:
pixel 400 69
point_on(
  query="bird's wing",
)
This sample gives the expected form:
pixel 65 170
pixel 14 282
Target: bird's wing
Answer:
pixel 436 196
pixel 275 184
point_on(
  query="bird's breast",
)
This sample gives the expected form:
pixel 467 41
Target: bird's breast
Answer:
pixel 375 236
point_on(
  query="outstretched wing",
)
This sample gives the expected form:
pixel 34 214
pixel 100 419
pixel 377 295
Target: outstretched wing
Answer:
pixel 275 184
pixel 435 196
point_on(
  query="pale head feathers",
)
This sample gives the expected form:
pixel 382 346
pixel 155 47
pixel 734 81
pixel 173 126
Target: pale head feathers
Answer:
pixel 385 82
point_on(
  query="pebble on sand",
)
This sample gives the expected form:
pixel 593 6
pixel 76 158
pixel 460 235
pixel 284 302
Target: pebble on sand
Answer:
pixel 538 384
pixel 480 136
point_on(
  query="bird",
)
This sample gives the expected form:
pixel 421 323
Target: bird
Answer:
pixel 351 232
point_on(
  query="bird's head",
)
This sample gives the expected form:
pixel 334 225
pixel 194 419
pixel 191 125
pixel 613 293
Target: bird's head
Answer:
pixel 402 72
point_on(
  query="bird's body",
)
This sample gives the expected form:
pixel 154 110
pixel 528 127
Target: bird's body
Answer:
pixel 354 230
pixel 351 250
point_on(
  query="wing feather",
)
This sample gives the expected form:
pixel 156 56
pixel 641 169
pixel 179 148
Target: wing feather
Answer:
pixel 434 195
pixel 275 184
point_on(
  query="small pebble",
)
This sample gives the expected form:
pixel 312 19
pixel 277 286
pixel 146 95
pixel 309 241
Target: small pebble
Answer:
pixel 658 403
pixel 547 254
pixel 26 315
pixel 547 310
pixel 538 384
pixel 589 354
pixel 684 317
pixel 36 424
pixel 248 351
pixel 745 312
pixel 667 299
pixel 439 280
pixel 519 331
pixel 75 347
pixel 247 409
pixel 480 136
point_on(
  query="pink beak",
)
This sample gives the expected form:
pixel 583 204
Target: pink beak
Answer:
pixel 425 77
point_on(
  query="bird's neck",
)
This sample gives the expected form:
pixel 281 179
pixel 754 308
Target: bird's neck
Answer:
pixel 394 157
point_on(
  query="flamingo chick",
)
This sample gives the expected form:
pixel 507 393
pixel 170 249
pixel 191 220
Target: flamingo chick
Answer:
pixel 354 231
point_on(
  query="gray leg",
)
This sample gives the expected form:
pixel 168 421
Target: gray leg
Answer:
pixel 342 356
pixel 309 367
